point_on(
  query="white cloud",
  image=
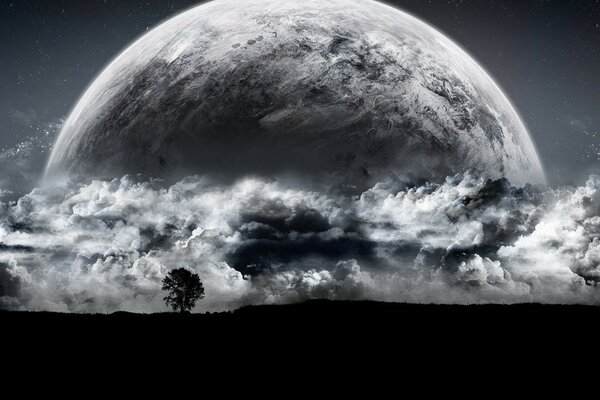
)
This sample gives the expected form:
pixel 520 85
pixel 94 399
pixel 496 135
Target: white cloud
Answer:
pixel 106 245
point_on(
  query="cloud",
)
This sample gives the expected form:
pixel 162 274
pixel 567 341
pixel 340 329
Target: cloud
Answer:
pixel 104 246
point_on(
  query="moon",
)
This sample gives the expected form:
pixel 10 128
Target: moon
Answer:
pixel 341 91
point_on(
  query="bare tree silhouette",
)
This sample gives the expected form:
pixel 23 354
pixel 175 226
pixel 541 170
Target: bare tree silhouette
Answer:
pixel 184 287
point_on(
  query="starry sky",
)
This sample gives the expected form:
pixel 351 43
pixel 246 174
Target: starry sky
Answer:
pixel 544 53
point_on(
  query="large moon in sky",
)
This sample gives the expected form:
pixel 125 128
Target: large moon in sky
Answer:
pixel 339 89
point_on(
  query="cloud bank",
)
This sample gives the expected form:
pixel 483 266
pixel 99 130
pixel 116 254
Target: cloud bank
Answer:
pixel 104 246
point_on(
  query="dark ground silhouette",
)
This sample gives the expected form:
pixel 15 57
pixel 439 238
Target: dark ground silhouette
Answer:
pixel 314 339
pixel 346 346
pixel 322 317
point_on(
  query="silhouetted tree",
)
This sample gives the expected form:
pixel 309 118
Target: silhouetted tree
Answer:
pixel 184 287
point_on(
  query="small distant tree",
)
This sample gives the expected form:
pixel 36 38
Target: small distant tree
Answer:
pixel 184 287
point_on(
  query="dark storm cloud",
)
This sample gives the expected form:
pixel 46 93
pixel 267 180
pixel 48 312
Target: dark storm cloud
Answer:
pixel 10 283
pixel 278 235
pixel 254 256
pixel 105 245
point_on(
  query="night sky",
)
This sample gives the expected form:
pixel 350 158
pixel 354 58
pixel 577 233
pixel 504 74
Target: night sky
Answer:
pixel 544 53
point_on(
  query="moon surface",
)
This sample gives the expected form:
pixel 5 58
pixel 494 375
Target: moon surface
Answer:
pixel 342 89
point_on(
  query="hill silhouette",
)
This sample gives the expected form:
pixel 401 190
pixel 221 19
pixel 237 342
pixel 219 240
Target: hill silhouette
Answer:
pixel 316 337
pixel 318 316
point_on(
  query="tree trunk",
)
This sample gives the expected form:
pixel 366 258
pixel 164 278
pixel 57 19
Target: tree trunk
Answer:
pixel 182 304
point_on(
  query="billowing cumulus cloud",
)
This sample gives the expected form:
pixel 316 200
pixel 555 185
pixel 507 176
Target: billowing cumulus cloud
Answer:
pixel 106 245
